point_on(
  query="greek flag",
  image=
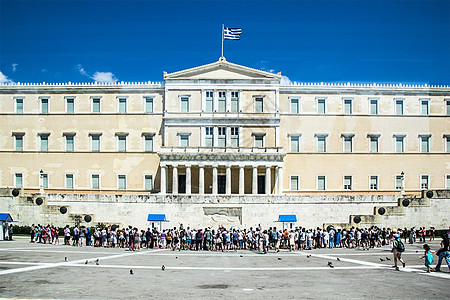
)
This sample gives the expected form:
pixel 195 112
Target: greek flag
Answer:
pixel 232 33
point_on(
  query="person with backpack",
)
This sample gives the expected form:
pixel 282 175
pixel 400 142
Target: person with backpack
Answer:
pixel 397 249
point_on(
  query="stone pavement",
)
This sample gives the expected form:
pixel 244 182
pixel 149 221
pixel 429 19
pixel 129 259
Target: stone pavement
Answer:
pixel 30 270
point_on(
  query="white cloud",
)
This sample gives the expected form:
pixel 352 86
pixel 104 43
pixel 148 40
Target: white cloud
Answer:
pixel 4 79
pixel 14 67
pixel 104 77
pixel 285 80
pixel 98 76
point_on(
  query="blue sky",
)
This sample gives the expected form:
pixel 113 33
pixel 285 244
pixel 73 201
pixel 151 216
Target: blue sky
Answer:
pixel 308 41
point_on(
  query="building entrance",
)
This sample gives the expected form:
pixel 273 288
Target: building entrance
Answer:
pixel 221 184
pixel 261 184
pixel 182 184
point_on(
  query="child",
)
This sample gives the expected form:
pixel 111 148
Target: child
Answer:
pixel 428 257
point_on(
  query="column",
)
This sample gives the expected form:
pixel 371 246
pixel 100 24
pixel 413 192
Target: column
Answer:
pixel 255 180
pixel 276 182
pixel 201 180
pixel 163 183
pixel 175 180
pixel 188 179
pixel 214 180
pixel 280 180
pixel 228 181
pixel 268 181
pixel 241 180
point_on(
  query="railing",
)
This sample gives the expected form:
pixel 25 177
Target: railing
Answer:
pixel 216 150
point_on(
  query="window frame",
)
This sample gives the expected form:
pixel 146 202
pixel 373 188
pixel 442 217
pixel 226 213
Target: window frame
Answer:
pixel 347 137
pixel 375 137
pixel 397 101
pixel 151 182
pixel 421 102
pixel 94 101
pixel 376 100
pixel 422 138
pixel 66 176
pixel 181 137
pixel 402 137
pixel 21 180
pixel 92 182
pixel 66 139
pixel 447 181
pixel 396 178
pixel 42 137
pixel 318 137
pixel 16 106
pixel 256 100
pixel 344 177
pixel 148 137
pixel 297 106
pixel 234 137
pixel 422 181
pixel 324 182
pixel 44 100
pixel 446 143
pixel 319 101
pixel 222 101
pixel 44 183
pixel 234 99
pixel 377 183
pixel 298 182
pixel 119 176
pixel 16 135
pixel 68 99
pixel 344 105
pixel 259 137
pixel 291 137
pixel 123 135
pixel 98 135
pixel 147 100
pixel 209 136
pixel 184 99
pixel 122 102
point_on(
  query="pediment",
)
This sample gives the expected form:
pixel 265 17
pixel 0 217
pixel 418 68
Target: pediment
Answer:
pixel 222 70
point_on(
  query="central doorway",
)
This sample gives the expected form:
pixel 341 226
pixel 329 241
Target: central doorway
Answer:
pixel 221 184
pixel 181 184
pixel 261 184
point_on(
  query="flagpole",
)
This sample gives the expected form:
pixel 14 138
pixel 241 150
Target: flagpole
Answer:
pixel 222 42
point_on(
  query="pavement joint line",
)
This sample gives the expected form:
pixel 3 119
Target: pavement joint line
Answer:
pixel 54 265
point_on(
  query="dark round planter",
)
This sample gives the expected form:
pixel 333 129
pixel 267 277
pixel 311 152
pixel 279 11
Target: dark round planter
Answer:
pixel 430 194
pixel 381 211
pixel 39 201
pixel 15 192
pixel 357 219
pixel 63 209
pixel 405 202
pixel 87 218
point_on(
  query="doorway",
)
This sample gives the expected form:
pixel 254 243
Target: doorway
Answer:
pixel 181 184
pixel 221 184
pixel 261 184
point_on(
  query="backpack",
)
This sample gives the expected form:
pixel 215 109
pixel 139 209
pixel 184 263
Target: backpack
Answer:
pixel 400 246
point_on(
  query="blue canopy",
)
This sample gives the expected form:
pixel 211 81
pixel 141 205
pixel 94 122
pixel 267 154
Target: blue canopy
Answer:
pixel 157 218
pixel 5 217
pixel 287 218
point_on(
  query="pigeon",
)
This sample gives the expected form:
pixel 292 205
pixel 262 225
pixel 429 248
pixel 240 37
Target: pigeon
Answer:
pixel 241 256
pixel 163 267
pixel 338 259
pixel 96 261
pixel 131 272
pixel 176 257
pixel 308 256
pixel 387 258
pixel 381 259
pixel 331 266
pixel 279 258
pixel 417 251
pixel 86 262
pixel 66 259
pixel 330 263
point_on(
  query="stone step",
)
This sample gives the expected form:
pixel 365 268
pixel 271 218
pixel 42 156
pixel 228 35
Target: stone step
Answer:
pixel 390 210
pixel 365 219
pixel 413 202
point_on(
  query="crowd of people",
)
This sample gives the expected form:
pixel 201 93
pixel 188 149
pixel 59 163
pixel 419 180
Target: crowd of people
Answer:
pixel 256 239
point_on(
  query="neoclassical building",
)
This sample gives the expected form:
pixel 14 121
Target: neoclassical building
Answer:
pixel 224 129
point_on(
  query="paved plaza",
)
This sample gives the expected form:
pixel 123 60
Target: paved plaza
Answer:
pixel 30 270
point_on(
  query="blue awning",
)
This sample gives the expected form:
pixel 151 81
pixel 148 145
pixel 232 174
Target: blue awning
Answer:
pixel 157 218
pixel 287 218
pixel 5 217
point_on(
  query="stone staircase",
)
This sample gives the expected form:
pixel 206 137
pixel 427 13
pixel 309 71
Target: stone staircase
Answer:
pixel 383 213
pixel 49 213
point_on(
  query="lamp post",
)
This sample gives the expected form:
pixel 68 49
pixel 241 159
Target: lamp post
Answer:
pixel 41 181
pixel 403 183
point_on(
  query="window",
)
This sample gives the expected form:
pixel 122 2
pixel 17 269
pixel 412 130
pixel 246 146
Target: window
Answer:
pixel 398 182
pixel 294 143
pixel 122 182
pixel 209 136
pixel 44 142
pixel 221 136
pixel 373 143
pixel 447 143
pixel 95 181
pixel 122 105
pixel 95 142
pixel 399 106
pixel 148 182
pixel 447 182
pixel 18 141
pixel 209 101
pixel 222 102
pixel 348 143
pixel 148 143
pixel 18 180
pixel 234 101
pixel 70 105
pixel 295 183
pixel 373 182
pixel 69 142
pixel 259 104
pixel 295 106
pixel 447 105
pixel 348 183
pixel 44 105
pixel 374 106
pixel 234 136
pixel 259 140
pixel 424 182
pixel 184 140
pixel 321 143
pixel 321 183
pixel 424 144
pixel 148 105
pixel 121 143
pixel 44 182
pixel 19 105
pixel 69 181
pixel 348 107
pixel 184 104
pixel 399 144
pixel 424 107
pixel 96 105
pixel 321 109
